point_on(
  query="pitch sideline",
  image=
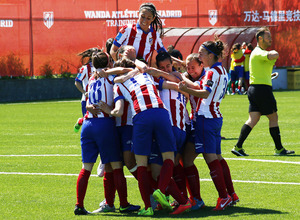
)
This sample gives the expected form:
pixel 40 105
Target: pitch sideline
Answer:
pixel 78 155
pixel 205 180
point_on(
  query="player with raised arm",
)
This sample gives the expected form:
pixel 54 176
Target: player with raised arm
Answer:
pixel 195 72
pixel 260 95
pixel 150 118
pixel 145 36
pixel 209 120
pixel 99 136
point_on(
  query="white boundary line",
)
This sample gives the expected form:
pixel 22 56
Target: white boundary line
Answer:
pixel 78 155
pixel 41 102
pixel 260 160
pixel 42 155
pixel 203 180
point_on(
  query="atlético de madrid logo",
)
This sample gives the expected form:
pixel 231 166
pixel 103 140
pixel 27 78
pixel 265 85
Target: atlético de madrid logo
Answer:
pixel 48 19
pixel 213 16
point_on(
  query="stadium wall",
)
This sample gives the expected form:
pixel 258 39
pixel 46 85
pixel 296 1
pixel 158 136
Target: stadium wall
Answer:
pixel 24 90
pixel 53 32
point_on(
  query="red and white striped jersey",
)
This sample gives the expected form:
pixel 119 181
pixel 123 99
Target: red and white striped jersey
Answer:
pixel 140 92
pixel 175 102
pixel 215 81
pixel 144 43
pixel 101 89
pixel 85 73
pixel 193 102
pixel 126 118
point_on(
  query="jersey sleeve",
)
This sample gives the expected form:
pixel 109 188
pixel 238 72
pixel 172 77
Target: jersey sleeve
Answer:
pixel 160 83
pixel 117 93
pixel 263 55
pixel 159 44
pixel 121 36
pixel 208 81
pixel 82 74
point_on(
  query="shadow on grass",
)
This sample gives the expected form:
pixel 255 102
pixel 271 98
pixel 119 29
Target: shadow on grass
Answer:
pixel 228 139
pixel 278 157
pixel 206 212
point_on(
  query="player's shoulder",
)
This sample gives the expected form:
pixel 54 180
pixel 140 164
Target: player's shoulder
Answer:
pixel 83 69
pixel 126 27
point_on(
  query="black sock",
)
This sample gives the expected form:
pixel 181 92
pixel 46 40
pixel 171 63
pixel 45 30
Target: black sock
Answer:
pixel 245 131
pixel 275 133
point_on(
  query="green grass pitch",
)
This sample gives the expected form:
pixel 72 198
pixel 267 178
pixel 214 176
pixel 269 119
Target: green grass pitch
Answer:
pixel 34 183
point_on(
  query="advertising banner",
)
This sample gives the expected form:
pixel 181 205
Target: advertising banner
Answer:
pixel 51 33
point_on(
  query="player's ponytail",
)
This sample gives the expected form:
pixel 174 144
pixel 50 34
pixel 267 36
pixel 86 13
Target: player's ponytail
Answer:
pixel 88 54
pixel 217 48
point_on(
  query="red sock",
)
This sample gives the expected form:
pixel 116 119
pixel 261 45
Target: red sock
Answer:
pixel 179 177
pixel 173 190
pixel 153 182
pixel 80 121
pixel 121 185
pixel 165 175
pixel 193 180
pixel 227 176
pixel 82 182
pixel 144 185
pixel 233 86
pixel 247 84
pixel 134 173
pixel 109 188
pixel 216 173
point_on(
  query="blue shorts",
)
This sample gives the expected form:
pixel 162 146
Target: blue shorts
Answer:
pixel 239 71
pixel 125 135
pixel 180 137
pixel 149 124
pixel 99 136
pixel 155 156
pixel 233 76
pixel 208 135
pixel 246 75
pixel 83 107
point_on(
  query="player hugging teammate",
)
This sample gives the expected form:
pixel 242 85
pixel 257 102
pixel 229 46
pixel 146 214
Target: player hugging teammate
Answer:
pixel 149 105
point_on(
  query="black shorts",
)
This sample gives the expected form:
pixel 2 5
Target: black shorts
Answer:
pixel 261 99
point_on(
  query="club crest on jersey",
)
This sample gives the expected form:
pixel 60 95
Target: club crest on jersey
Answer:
pixel 151 41
pixel 212 16
pixel 209 83
pixel 48 19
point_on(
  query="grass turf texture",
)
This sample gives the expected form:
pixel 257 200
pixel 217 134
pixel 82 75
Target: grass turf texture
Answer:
pixel 46 128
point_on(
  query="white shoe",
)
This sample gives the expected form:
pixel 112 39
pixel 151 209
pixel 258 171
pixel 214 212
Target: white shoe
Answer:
pixel 105 208
pixel 102 203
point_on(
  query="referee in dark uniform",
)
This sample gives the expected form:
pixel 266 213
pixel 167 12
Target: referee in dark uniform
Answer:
pixel 260 95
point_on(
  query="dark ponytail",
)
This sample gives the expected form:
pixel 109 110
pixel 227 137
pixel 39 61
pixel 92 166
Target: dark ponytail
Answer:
pixel 88 54
pixel 216 47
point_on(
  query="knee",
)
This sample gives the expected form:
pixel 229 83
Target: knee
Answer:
pixel 168 156
pixel 252 122
pixel 88 166
pixel 129 160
